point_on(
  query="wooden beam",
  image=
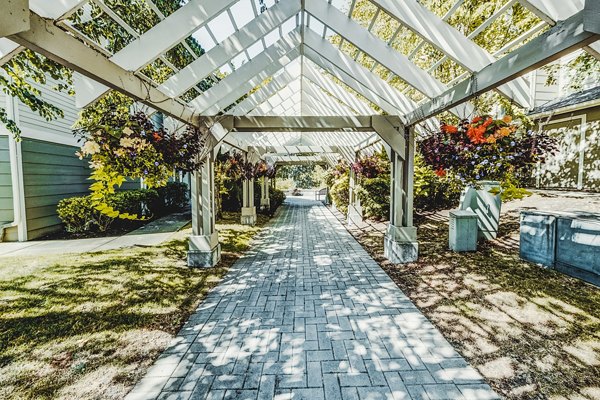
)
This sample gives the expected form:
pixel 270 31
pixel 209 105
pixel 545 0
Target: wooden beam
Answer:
pixel 14 17
pixel 562 39
pixel 302 124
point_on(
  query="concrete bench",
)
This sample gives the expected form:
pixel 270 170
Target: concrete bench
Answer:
pixel 567 242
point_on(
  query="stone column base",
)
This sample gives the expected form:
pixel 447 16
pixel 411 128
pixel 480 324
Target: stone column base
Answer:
pixel 204 251
pixel 400 245
pixel 248 215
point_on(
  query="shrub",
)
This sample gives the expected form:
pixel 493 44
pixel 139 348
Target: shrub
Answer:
pixel 79 215
pixel 432 192
pixel 231 200
pixel 276 197
pixel 340 194
pixel 141 202
pixel 174 197
pixel 374 195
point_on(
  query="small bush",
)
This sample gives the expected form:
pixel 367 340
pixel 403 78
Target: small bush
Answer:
pixel 141 202
pixel 175 197
pixel 374 195
pixel 276 197
pixel 78 215
pixel 231 200
pixel 340 193
pixel 432 192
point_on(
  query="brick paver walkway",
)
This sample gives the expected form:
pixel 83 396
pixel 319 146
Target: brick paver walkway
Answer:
pixel 308 314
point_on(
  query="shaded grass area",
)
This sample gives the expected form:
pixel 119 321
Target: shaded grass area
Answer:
pixel 87 326
pixel 533 333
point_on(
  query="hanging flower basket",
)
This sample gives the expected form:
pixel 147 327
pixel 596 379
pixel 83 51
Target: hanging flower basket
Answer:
pixel 484 148
pixel 489 156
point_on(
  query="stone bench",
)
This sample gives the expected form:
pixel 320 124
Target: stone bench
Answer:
pixel 567 242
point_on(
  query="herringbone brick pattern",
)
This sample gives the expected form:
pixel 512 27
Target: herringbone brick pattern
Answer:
pixel 307 314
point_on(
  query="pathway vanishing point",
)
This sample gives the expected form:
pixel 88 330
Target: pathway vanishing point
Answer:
pixel 308 314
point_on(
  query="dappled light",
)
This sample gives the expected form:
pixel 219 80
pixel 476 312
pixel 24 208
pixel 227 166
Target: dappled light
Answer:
pixel 529 331
pixel 89 325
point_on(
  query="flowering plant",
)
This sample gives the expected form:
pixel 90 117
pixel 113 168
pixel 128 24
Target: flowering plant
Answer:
pixel 485 148
pixel 337 172
pixel 372 166
pixel 130 146
pixel 238 167
pixel 262 169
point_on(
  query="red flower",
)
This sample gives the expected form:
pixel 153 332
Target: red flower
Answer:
pixel 475 134
pixel 440 172
pixel 449 128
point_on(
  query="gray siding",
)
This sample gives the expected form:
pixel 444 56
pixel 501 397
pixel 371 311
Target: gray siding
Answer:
pixel 51 172
pixel 543 93
pixel 6 202
pixel 31 121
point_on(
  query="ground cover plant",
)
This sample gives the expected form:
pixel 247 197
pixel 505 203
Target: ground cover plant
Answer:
pixel 532 333
pixel 87 326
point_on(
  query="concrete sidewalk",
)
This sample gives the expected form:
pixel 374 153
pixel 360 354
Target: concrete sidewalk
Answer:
pixel 152 234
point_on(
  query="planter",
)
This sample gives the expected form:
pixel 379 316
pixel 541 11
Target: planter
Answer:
pixel 485 201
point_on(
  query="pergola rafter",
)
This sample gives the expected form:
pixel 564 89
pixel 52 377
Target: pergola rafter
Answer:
pixel 450 41
pixel 240 41
pixel 264 93
pixel 563 38
pixel 312 75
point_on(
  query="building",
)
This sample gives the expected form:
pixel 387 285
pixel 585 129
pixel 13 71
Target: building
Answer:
pixel 574 119
pixel 40 170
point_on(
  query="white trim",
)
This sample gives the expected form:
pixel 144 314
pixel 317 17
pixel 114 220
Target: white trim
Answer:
pixel 568 109
pixel 16 173
pixel 50 137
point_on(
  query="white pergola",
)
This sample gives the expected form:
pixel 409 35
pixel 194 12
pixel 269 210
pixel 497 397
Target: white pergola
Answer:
pixel 283 91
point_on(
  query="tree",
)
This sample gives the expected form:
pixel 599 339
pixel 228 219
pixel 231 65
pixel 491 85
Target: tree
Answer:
pixel 16 81
pixel 302 175
pixel 581 68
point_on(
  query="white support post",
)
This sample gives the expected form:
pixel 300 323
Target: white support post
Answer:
pixel 204 250
pixel 355 214
pixel 265 200
pixel 400 245
pixel 248 208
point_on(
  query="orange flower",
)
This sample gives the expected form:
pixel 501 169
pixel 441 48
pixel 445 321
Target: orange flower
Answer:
pixel 488 122
pixel 475 134
pixel 507 119
pixel 476 120
pixel 440 172
pixel 449 128
pixel 491 139
pixel 157 137
pixel 505 131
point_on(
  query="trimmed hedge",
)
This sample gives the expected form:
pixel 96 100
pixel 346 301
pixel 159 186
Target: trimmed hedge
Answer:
pixel 78 215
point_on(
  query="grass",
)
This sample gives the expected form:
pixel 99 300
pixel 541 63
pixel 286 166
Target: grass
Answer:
pixel 532 332
pixel 87 326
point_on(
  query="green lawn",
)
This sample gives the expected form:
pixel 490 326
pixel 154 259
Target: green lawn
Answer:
pixel 88 326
